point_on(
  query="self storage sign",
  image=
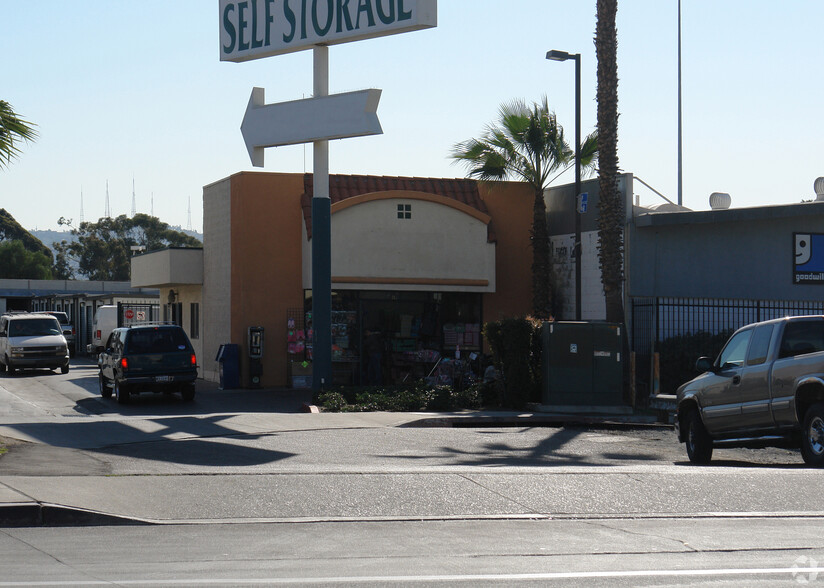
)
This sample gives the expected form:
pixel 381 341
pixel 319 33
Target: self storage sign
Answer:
pixel 251 29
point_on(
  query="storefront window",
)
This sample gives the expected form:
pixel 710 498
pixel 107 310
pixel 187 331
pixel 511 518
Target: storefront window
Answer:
pixel 384 337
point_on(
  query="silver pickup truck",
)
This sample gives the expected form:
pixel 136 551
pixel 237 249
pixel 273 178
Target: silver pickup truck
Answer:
pixel 766 386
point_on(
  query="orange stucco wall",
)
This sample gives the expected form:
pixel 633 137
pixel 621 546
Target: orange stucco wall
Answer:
pixel 510 205
pixel 266 261
pixel 266 264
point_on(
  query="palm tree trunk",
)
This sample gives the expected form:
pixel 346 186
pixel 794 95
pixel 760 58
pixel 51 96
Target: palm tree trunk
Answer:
pixel 611 205
pixel 541 290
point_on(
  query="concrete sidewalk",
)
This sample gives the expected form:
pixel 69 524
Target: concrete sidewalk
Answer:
pixel 61 446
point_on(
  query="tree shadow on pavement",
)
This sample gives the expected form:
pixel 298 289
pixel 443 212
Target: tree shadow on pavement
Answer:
pixel 184 440
pixel 561 446
pixel 208 400
pixel 199 452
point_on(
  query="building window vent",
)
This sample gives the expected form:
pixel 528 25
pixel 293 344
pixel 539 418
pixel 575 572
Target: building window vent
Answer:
pixel 404 211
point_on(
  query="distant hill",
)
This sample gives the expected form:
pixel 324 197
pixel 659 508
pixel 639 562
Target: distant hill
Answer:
pixel 195 234
pixel 49 237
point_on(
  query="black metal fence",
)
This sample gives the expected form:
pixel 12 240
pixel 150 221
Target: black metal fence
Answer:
pixel 682 329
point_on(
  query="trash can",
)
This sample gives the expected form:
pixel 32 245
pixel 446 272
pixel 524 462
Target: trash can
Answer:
pixel 228 356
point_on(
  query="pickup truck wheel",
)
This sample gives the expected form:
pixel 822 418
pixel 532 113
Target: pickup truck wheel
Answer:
pixel 105 390
pixel 699 442
pixel 121 393
pixel 64 369
pixel 2 367
pixel 812 436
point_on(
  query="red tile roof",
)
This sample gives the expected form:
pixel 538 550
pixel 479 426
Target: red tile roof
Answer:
pixel 342 187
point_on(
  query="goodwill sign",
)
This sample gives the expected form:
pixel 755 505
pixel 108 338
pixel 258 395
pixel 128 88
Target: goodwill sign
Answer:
pixel 251 29
pixel 809 258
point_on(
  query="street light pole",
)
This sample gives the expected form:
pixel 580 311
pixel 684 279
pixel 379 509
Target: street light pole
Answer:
pixel 680 159
pixel 564 56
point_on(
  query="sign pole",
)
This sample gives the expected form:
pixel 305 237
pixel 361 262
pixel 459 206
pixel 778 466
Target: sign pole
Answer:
pixel 252 30
pixel 321 241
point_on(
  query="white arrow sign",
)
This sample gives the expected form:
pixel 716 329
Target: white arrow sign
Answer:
pixel 353 114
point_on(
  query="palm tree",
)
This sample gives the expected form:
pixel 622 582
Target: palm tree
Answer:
pixel 526 144
pixel 611 205
pixel 12 129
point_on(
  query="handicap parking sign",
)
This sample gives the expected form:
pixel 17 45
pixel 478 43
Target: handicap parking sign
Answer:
pixel 582 202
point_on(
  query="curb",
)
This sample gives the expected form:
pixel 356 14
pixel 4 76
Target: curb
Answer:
pixel 537 420
pixel 36 514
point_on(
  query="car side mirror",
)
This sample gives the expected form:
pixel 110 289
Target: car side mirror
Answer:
pixel 704 364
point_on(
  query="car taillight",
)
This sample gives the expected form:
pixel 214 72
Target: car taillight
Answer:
pixel 194 359
pixel 73 331
pixel 97 334
pixel 124 363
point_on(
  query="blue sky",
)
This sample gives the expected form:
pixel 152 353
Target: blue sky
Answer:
pixel 124 90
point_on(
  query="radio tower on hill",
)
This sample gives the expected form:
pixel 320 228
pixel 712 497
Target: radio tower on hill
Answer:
pixel 81 204
pixel 134 207
pixel 189 216
pixel 108 211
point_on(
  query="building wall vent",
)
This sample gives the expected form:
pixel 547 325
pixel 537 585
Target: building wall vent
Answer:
pixel 720 201
pixel 819 189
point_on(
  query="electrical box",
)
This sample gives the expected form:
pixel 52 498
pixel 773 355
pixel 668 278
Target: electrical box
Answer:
pixel 583 364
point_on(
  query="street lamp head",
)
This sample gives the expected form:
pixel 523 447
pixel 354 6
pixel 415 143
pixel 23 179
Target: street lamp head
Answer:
pixel 558 55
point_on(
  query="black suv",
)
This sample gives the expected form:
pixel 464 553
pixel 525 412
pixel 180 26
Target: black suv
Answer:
pixel 147 358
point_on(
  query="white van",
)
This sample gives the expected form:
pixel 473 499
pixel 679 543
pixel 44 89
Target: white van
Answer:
pixel 32 340
pixel 105 321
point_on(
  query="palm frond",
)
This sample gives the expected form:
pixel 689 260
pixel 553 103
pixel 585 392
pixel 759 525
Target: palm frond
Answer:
pixel 12 130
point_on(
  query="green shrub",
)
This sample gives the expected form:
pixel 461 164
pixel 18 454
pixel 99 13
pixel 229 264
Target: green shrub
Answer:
pixel 470 397
pixel 332 401
pixel 409 398
pixel 516 352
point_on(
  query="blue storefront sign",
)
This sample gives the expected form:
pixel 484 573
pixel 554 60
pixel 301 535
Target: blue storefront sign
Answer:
pixel 808 267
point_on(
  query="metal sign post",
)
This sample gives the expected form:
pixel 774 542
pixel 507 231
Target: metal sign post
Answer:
pixel 251 30
pixel 321 241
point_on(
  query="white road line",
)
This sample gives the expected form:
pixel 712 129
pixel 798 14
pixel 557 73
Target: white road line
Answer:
pixel 793 572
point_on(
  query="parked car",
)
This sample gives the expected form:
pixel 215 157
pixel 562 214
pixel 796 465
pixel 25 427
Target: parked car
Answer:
pixel 69 331
pixel 766 385
pixel 147 358
pixel 32 340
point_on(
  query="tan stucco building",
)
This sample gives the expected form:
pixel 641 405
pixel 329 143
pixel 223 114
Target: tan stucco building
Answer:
pixel 424 262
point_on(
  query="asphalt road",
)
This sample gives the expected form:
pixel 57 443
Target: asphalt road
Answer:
pixel 239 488
pixel 593 552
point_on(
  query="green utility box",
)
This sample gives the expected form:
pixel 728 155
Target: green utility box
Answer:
pixel 583 364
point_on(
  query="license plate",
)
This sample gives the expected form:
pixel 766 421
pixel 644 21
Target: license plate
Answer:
pixel 163 378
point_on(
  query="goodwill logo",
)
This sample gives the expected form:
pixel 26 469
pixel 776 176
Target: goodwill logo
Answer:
pixel 808 267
